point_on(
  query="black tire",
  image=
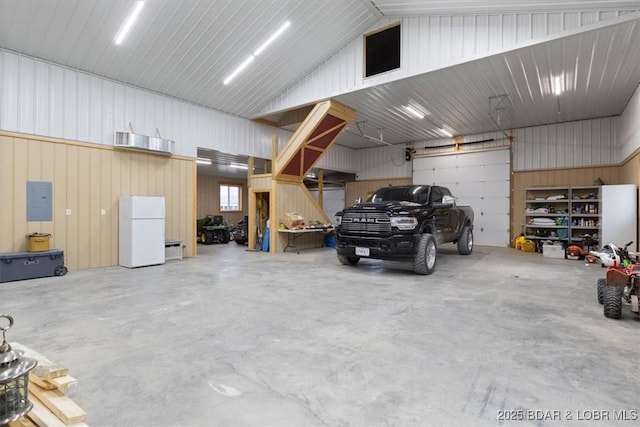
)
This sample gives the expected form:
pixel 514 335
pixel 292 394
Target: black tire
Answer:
pixel 348 260
pixel 60 270
pixel 465 242
pixel 424 260
pixel 601 285
pixel 205 238
pixel 612 302
pixel 226 237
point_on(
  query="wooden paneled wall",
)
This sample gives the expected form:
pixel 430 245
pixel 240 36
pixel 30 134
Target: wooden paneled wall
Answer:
pixel 209 197
pixel 630 171
pixel 553 178
pixel 88 180
pixel 295 194
pixel 363 189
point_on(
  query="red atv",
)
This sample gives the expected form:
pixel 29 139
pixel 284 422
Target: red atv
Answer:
pixel 622 281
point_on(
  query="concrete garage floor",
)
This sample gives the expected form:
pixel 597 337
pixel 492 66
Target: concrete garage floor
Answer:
pixel 237 338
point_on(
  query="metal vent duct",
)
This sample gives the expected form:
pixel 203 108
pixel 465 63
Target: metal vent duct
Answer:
pixel 143 142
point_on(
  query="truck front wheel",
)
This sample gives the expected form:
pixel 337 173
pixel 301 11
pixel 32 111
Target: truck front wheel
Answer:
pixel 424 260
pixel 465 242
pixel 348 260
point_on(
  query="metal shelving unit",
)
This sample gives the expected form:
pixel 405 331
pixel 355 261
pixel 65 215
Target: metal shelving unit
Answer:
pixel 575 212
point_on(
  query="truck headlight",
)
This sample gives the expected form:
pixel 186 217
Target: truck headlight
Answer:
pixel 338 219
pixel 404 222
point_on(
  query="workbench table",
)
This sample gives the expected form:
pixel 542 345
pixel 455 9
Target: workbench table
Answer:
pixel 295 233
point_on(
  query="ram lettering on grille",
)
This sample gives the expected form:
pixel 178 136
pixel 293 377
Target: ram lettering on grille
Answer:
pixel 366 222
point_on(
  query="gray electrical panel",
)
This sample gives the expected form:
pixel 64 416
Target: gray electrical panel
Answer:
pixel 39 201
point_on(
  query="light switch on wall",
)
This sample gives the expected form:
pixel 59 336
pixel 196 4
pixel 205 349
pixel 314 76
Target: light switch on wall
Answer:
pixel 68 212
pixel 103 212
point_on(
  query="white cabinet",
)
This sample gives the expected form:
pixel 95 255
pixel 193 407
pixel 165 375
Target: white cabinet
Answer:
pixel 620 215
pixel 141 231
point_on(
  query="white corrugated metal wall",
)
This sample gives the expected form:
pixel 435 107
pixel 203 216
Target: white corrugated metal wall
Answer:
pixel 565 145
pixel 562 145
pixel 629 129
pixel 382 162
pixel 45 99
pixel 339 158
pixel 447 39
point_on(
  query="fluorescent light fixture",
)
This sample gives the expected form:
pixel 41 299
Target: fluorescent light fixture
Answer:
pixel 238 70
pixel 128 23
pixel 557 85
pixel 257 52
pixel 414 111
pixel 446 132
pixel 237 166
pixel 272 38
pixel 202 161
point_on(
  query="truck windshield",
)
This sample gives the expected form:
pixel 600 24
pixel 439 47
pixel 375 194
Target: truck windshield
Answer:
pixel 400 194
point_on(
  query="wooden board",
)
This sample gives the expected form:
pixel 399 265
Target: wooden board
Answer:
pixel 45 384
pixel 46 369
pixel 61 406
pixel 61 383
pixel 22 422
pixel 43 417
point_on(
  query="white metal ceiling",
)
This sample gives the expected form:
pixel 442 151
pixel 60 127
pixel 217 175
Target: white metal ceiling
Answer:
pixel 602 69
pixel 185 48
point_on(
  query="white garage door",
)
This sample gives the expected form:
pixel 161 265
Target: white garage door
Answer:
pixel 480 180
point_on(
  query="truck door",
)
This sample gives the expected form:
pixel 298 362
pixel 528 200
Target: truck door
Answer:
pixel 454 222
pixel 442 217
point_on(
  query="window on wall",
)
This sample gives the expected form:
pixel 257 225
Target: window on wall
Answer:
pixel 230 197
pixel 382 50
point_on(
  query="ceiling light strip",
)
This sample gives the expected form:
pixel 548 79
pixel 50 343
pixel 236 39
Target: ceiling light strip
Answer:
pixel 238 70
pixel 257 52
pixel 237 166
pixel 124 30
pixel 445 132
pixel 414 111
pixel 272 38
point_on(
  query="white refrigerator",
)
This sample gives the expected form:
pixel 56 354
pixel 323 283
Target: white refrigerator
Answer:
pixel 619 221
pixel 141 231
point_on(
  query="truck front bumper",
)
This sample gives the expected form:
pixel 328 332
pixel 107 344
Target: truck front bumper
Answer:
pixel 395 247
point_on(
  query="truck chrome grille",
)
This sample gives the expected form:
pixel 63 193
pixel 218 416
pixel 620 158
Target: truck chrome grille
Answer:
pixel 371 222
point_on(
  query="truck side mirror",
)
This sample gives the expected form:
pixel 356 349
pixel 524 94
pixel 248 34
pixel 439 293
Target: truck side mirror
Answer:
pixel 447 202
pixel 448 199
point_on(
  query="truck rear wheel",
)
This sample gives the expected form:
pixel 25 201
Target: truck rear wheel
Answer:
pixel 465 242
pixel 348 260
pixel 601 285
pixel 612 302
pixel 424 260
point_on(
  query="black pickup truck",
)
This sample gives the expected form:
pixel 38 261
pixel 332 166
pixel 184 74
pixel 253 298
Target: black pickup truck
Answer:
pixel 404 223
